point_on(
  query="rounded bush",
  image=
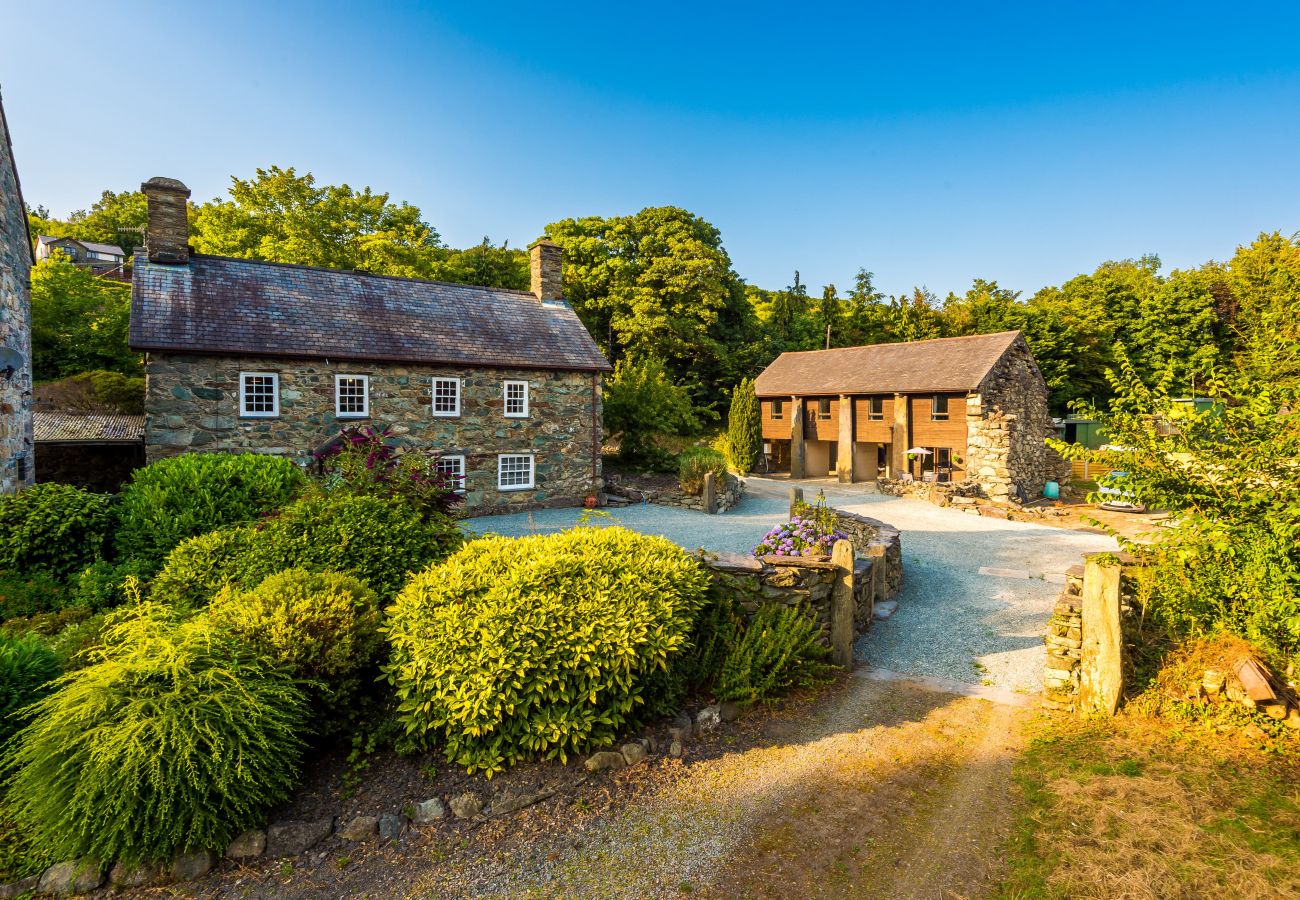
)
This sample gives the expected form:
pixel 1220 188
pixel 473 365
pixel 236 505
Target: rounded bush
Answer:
pixel 199 567
pixel 318 625
pixel 537 646
pixel 695 463
pixel 178 739
pixel 184 496
pixel 54 528
pixel 377 539
pixel 27 668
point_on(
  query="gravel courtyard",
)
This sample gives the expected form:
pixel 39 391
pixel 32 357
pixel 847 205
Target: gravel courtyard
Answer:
pixel 952 622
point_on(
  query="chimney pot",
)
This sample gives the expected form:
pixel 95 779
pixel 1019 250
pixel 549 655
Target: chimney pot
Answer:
pixel 167 236
pixel 546 270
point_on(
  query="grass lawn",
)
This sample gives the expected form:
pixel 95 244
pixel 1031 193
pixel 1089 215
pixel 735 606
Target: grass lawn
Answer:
pixel 1139 806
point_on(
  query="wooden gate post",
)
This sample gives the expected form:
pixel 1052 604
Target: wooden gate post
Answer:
pixel 842 605
pixel 796 496
pixel 710 493
pixel 1101 672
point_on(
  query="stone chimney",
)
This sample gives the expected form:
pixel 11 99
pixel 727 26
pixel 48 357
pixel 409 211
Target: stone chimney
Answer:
pixel 545 268
pixel 167 238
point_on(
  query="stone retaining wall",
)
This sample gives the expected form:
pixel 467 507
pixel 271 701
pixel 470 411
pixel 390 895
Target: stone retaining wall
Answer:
pixel 794 580
pixel 729 495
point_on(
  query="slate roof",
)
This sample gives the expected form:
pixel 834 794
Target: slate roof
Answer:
pixel 77 428
pixel 241 307
pixel 940 365
pixel 89 245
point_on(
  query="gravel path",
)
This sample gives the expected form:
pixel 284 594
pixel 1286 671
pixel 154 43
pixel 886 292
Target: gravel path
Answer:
pixel 952 621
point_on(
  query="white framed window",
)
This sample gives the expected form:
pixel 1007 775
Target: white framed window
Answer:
pixel 259 394
pixel 516 394
pixel 351 396
pixel 454 468
pixel 446 396
pixel 514 471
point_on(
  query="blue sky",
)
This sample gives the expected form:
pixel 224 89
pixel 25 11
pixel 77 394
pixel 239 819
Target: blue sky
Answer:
pixel 931 144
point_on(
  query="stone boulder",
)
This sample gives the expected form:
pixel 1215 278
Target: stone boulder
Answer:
pixel 76 876
pixel 292 838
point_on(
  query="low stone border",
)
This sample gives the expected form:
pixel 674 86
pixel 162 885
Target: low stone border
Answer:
pixel 728 495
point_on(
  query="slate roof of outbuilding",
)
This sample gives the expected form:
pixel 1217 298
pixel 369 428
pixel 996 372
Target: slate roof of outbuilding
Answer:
pixel 243 307
pixel 86 428
pixel 89 245
pixel 934 366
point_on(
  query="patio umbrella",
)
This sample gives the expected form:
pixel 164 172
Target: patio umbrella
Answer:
pixel 920 451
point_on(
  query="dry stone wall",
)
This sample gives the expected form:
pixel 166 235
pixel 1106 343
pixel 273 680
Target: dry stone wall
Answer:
pixel 794 580
pixel 1007 422
pixel 193 405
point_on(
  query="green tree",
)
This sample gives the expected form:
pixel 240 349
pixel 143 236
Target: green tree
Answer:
pixel 829 317
pixel 642 402
pixel 281 216
pixel 115 218
pixel 483 264
pixel 744 428
pixel 660 284
pixel 867 314
pixel 79 322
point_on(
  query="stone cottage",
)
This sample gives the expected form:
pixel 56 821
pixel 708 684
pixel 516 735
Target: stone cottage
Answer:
pixel 975 409
pixel 16 463
pixel 243 355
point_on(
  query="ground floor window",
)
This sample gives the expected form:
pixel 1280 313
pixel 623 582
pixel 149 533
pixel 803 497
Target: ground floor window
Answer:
pixel 514 471
pixel 453 467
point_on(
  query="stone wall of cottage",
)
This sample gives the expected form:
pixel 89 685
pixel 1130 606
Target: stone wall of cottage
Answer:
pixel 16 464
pixel 193 405
pixel 1007 422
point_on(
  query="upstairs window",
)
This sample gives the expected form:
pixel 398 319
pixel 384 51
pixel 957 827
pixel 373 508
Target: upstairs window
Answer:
pixel 514 471
pixel 778 409
pixel 259 394
pixel 351 396
pixel 876 409
pixel 453 468
pixel 824 408
pixel 939 408
pixel 446 396
pixel 516 399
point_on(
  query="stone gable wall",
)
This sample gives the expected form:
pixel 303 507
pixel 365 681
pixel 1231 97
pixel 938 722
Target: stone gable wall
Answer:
pixel 16 449
pixel 1007 422
pixel 192 403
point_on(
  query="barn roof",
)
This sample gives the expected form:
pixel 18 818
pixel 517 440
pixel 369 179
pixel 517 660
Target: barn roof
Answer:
pixel 242 307
pixel 939 365
pixel 77 428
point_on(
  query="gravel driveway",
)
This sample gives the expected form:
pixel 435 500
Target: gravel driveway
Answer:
pixel 953 621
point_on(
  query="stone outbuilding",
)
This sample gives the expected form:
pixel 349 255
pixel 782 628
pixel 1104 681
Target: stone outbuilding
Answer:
pixel 243 355
pixel 973 408
pixel 16 448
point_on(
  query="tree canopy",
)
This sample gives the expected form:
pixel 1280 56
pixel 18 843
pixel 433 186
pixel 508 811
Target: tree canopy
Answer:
pixel 660 284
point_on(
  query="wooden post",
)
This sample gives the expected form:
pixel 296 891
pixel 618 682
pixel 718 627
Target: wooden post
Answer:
pixel 898 438
pixel 1101 673
pixel 798 452
pixel 842 605
pixel 844 446
pixel 710 493
pixel 796 496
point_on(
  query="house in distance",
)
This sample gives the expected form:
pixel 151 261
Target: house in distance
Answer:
pixel 243 355
pixel 974 408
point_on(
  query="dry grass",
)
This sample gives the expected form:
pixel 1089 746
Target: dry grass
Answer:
pixel 1156 806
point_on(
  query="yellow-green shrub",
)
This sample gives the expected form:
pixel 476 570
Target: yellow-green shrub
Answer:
pixel 538 646
pixel 177 738
pixel 695 463
pixel 201 566
pixel 317 624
